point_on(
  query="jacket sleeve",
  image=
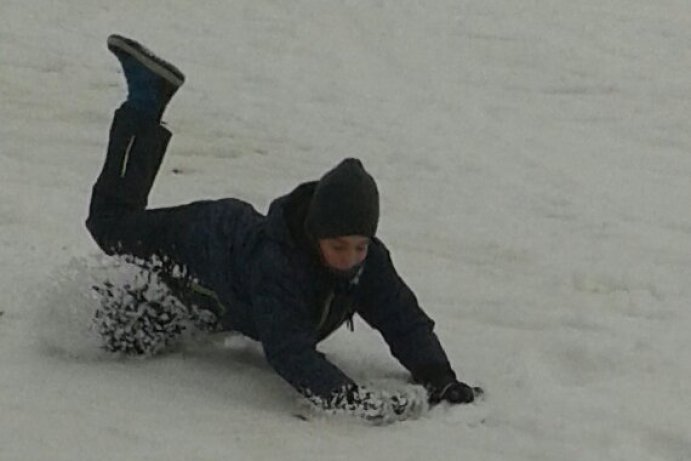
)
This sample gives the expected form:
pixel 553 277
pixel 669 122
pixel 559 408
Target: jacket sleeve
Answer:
pixel 391 307
pixel 286 329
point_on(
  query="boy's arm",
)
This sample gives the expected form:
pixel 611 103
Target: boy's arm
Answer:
pixel 286 329
pixel 391 307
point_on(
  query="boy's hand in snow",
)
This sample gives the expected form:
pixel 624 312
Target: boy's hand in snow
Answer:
pixel 454 392
pixel 375 407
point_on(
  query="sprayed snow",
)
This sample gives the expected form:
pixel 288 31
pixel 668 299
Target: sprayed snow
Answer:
pixel 373 406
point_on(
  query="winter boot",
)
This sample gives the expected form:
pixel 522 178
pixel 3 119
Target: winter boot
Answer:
pixel 151 81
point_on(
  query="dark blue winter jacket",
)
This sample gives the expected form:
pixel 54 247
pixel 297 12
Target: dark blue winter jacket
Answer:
pixel 270 285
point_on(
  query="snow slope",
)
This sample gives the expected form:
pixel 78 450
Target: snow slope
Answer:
pixel 533 164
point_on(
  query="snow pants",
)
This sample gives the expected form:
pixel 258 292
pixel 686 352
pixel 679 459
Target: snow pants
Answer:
pixel 118 219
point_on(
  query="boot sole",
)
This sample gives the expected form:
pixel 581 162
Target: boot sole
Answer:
pixel 162 68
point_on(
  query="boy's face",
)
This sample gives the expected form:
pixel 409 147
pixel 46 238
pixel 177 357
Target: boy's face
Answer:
pixel 344 253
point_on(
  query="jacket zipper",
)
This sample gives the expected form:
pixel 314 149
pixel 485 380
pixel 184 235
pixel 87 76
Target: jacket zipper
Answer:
pixel 326 310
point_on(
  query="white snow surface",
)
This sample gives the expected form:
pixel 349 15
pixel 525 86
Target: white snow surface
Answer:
pixel 534 168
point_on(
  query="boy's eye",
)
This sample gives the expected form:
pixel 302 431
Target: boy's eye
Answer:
pixel 338 247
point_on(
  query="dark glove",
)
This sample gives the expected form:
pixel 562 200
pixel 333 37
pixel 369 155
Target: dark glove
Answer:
pixel 454 392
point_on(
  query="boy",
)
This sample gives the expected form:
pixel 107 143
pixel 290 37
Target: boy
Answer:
pixel 287 279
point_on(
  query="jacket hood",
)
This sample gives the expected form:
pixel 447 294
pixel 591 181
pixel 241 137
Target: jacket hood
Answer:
pixel 286 216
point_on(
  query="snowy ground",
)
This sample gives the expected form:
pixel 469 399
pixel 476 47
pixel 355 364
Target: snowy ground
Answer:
pixel 533 159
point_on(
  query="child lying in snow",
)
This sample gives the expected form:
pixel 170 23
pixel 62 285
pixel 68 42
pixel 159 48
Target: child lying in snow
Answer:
pixel 287 279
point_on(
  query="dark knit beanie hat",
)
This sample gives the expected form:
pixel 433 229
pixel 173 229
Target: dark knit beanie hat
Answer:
pixel 345 202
